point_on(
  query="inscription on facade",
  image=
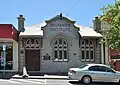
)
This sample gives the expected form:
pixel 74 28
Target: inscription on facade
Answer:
pixel 60 27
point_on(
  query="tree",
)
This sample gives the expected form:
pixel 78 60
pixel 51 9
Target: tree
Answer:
pixel 111 15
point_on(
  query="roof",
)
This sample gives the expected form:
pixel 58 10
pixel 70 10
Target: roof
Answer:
pixel 6 25
pixel 37 28
pixel 88 32
pixel 60 16
pixel 33 30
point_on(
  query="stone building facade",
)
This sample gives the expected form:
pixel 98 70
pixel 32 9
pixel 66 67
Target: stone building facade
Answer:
pixel 58 44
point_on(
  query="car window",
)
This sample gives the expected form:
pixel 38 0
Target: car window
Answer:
pixel 105 69
pixel 100 68
pixel 94 68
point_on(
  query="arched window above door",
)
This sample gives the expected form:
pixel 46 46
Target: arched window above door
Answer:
pixel 28 41
pixel 32 44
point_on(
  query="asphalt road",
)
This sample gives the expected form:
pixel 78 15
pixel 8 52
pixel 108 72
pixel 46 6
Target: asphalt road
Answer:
pixel 46 82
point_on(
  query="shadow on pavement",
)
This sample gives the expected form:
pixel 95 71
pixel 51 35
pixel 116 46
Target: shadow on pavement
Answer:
pixel 93 83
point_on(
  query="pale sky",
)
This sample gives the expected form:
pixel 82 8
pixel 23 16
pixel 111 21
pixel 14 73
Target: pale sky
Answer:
pixel 36 11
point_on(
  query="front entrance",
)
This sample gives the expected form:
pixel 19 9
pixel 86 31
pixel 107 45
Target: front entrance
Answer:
pixel 32 60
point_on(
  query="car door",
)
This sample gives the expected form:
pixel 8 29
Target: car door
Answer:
pixel 94 73
pixel 106 74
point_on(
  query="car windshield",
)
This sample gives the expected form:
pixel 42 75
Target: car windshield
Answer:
pixel 82 66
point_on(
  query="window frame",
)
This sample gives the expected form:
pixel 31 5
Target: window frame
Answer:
pixel 87 47
pixel 34 45
pixel 60 48
pixel 8 57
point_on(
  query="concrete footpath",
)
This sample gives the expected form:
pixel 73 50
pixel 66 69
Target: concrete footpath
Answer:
pixel 41 77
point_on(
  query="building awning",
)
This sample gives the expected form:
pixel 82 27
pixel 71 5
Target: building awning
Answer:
pixel 33 30
pixel 88 32
pixel 8 31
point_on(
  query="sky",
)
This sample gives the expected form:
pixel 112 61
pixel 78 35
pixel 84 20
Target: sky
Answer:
pixel 36 11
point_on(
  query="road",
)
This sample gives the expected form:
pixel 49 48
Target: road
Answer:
pixel 46 82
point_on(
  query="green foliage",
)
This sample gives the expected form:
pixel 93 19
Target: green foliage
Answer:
pixel 111 15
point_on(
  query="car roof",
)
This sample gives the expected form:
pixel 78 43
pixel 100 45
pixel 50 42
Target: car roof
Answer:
pixel 96 64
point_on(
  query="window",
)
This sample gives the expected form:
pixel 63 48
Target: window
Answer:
pixel 60 41
pixel 56 56
pixel 87 50
pixel 65 43
pixel 87 54
pixel 65 54
pixel 32 44
pixel 100 68
pixel 91 55
pixel 6 57
pixel 32 41
pixel 94 68
pixel 86 42
pixel 105 69
pixel 28 41
pixel 60 54
pixel 36 41
pixel 83 54
pixel 60 50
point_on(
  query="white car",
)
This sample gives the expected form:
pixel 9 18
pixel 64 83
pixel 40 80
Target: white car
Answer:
pixel 94 72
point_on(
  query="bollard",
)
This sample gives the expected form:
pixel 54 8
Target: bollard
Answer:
pixel 25 74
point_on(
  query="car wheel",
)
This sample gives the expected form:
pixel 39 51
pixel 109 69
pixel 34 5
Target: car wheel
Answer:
pixel 86 79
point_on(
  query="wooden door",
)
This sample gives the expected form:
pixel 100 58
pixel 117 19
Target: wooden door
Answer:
pixel 32 60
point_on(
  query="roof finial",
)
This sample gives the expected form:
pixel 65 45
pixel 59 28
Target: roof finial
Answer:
pixel 60 15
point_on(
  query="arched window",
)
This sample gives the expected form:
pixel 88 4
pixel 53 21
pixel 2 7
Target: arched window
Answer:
pixel 87 50
pixel 32 44
pixel 60 50
pixel 28 41
pixel 36 41
pixel 28 44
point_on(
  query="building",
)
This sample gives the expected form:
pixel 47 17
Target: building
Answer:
pixel 100 27
pixel 55 45
pixel 58 44
pixel 8 49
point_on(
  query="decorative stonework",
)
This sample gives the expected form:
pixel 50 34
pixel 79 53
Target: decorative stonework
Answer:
pixel 32 44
